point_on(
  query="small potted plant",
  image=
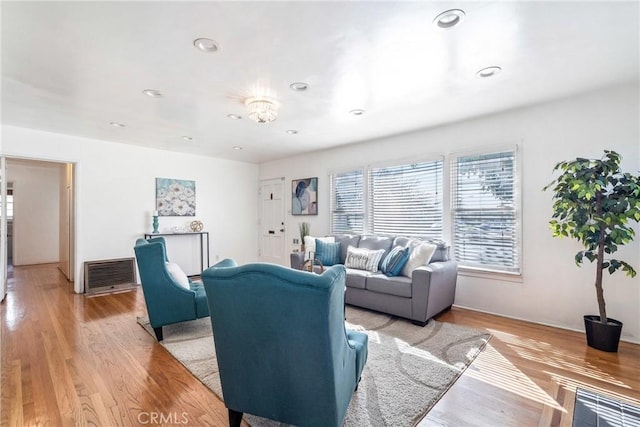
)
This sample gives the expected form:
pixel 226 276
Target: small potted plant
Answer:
pixel 594 202
pixel 304 228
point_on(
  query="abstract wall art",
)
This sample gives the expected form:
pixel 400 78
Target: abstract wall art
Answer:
pixel 304 196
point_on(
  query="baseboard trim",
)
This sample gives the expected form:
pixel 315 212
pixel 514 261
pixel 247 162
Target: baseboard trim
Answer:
pixel 533 321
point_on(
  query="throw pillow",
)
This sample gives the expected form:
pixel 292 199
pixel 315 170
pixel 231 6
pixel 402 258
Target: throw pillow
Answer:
pixel 363 259
pixel 177 274
pixel 395 261
pixel 420 255
pixel 327 252
pixel 310 243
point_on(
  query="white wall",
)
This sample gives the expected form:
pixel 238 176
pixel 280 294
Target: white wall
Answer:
pixel 36 189
pixel 115 193
pixel 552 290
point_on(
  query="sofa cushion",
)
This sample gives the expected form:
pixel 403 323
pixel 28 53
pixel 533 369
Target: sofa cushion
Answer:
pixel 442 251
pixel 328 253
pixel 357 278
pixel 399 286
pixel 420 254
pixel 394 262
pixel 346 240
pixel 363 259
pixel 375 242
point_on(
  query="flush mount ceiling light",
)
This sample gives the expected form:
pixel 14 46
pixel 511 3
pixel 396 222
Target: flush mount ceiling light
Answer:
pixel 262 110
pixel 357 112
pixel 206 45
pixel 299 86
pixel 488 72
pixel 234 116
pixel 116 124
pixel 449 19
pixel 292 132
pixel 152 93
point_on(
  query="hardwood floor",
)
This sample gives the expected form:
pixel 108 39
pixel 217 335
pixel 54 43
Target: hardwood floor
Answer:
pixel 72 360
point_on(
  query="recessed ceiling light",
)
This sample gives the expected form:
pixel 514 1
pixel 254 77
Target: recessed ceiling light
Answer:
pixel 206 45
pixel 299 86
pixel 357 112
pixel 187 138
pixel 489 71
pixel 116 124
pixel 449 19
pixel 234 116
pixel 152 93
pixel 237 147
pixel 292 131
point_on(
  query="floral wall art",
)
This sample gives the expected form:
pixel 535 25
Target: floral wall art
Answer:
pixel 175 197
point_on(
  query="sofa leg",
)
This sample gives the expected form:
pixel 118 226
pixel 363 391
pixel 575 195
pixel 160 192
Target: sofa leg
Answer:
pixel 158 332
pixel 235 418
pixel 419 323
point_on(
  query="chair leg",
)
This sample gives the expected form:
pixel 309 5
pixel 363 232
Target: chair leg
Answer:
pixel 235 418
pixel 158 332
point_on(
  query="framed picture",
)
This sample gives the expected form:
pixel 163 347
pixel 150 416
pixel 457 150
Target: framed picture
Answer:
pixel 304 196
pixel 175 197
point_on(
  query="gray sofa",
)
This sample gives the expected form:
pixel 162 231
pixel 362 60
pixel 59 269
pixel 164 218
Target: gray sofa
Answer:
pixel 430 289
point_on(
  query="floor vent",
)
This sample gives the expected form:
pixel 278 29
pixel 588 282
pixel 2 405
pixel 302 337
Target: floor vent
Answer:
pixel 109 275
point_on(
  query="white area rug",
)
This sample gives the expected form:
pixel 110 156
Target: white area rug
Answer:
pixel 408 369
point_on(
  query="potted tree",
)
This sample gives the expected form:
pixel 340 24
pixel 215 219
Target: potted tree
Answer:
pixel 595 202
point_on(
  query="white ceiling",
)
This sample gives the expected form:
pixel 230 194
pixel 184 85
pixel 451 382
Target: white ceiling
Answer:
pixel 74 67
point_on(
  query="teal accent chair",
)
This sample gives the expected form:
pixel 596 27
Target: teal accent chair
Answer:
pixel 282 348
pixel 167 301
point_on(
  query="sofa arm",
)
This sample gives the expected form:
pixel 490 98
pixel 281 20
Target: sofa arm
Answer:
pixel 433 289
pixel 297 259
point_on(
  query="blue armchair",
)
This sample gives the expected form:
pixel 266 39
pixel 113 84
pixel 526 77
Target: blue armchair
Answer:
pixel 167 301
pixel 282 347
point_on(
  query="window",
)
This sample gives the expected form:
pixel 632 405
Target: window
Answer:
pixel 406 200
pixel 485 211
pixel 347 203
pixel 401 200
pixel 9 203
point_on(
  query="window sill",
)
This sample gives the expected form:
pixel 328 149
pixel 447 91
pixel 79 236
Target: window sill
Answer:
pixel 490 274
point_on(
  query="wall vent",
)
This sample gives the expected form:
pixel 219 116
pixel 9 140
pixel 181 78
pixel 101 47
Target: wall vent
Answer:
pixel 109 275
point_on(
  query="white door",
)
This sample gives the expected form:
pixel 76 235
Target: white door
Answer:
pixel 272 233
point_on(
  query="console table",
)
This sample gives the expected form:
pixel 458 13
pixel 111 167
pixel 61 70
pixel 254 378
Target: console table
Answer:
pixel 202 235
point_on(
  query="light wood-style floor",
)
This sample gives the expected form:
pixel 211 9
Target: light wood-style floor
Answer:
pixel 72 360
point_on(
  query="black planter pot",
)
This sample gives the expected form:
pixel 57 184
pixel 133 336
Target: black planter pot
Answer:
pixel 601 336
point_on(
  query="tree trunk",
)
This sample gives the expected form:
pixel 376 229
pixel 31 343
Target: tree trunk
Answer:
pixel 600 261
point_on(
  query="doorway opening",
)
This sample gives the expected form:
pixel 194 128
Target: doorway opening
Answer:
pixel 40 214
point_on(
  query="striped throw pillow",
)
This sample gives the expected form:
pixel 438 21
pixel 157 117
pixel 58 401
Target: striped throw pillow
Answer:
pixel 363 259
pixel 395 261
pixel 328 252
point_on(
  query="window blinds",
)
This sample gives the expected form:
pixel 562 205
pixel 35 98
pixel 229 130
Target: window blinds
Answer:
pixel 406 200
pixel 486 231
pixel 347 203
